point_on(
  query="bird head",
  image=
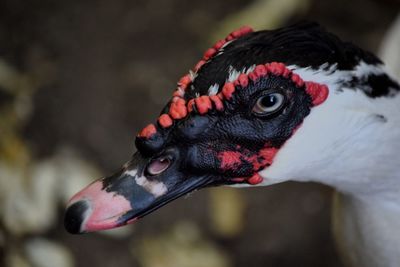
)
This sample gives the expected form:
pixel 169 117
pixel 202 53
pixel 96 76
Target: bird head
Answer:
pixel 236 119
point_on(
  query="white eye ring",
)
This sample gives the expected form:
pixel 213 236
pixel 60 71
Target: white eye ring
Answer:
pixel 158 165
pixel 268 103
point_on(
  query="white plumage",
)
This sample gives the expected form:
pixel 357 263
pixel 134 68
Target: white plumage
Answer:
pixel 351 143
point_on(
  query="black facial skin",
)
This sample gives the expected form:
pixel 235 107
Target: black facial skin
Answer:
pixel 239 126
pixel 194 143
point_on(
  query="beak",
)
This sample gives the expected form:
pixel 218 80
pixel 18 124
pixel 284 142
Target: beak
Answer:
pixel 127 196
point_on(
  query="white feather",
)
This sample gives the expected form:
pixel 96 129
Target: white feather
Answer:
pixel 344 143
pixel 213 90
pixel 233 74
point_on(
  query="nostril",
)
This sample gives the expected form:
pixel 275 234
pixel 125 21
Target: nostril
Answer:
pixel 74 216
pixel 158 165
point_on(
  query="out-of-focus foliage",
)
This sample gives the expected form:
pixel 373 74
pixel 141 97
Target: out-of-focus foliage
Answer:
pixel 262 14
pixel 227 211
pixel 31 190
pixel 182 246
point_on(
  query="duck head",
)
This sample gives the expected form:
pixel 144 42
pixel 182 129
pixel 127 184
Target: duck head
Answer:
pixel 233 120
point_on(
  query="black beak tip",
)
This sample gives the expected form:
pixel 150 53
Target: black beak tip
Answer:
pixel 74 217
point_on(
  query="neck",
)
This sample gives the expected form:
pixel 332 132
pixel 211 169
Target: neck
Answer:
pixel 355 149
pixel 367 229
pixel 366 215
pixel 351 143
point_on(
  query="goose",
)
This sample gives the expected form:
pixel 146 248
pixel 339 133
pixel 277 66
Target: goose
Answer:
pixel 265 107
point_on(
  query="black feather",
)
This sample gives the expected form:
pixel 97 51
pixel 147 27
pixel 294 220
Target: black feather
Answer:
pixel 304 44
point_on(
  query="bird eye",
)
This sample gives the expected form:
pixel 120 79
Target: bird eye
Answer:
pixel 158 165
pixel 268 104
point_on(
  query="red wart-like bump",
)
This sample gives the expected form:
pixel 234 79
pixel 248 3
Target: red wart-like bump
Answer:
pixel 178 109
pixel 165 121
pixel 298 81
pixel 318 92
pixel 263 158
pixel 184 81
pixel 148 131
pixel 241 31
pixel 178 93
pixel 219 44
pixel 255 179
pixel 261 70
pixel 217 102
pixel 203 104
pixel 253 76
pixel 228 90
pixel 211 52
pixel 230 159
pixel 277 68
pixel 199 65
pixel 242 80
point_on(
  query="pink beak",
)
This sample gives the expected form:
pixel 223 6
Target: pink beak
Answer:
pixel 94 209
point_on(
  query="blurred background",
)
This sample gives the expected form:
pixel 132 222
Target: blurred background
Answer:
pixel 79 79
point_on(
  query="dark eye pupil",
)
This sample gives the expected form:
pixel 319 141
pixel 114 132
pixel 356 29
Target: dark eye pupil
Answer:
pixel 268 104
pixel 268 101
